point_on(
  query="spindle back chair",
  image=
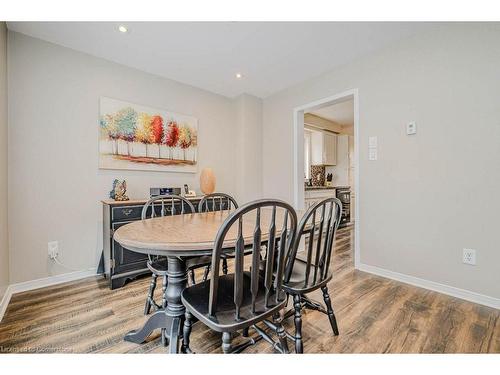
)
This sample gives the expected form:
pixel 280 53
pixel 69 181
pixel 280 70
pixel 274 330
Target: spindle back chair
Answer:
pixel 304 275
pixel 237 301
pixel 169 205
pixel 217 202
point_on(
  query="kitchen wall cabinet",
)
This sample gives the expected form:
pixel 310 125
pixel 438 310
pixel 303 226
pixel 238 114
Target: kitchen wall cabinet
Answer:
pixel 323 148
pixel 341 170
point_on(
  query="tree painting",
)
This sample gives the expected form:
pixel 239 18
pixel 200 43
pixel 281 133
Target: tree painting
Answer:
pixel 157 134
pixel 121 123
pixel 194 141
pixel 184 138
pixel 144 129
pixel 171 136
pixel 108 125
pixel 126 120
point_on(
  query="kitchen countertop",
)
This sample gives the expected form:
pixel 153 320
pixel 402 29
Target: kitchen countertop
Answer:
pixel 319 187
pixel 325 187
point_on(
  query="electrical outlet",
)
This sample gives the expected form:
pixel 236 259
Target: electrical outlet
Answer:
pixel 469 256
pixel 53 249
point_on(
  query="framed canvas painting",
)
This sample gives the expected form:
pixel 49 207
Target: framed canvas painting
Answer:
pixel 135 137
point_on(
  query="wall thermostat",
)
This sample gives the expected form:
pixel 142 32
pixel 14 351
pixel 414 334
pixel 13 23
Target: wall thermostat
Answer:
pixel 411 128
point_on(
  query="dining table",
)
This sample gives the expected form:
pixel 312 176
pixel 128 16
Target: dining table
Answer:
pixel 180 238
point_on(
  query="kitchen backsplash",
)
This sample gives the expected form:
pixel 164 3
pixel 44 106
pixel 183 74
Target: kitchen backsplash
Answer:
pixel 318 175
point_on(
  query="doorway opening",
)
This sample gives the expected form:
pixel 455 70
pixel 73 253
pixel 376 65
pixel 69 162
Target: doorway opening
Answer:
pixel 326 155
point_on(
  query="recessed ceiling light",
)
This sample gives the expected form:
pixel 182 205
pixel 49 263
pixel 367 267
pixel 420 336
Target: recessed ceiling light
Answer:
pixel 122 29
pixel 239 75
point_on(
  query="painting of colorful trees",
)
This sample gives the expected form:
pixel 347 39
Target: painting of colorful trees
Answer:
pixel 132 136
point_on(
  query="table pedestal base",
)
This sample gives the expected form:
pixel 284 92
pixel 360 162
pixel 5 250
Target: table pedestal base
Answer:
pixel 170 319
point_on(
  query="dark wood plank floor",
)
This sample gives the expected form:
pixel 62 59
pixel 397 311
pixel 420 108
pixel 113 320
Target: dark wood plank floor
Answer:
pixel 375 315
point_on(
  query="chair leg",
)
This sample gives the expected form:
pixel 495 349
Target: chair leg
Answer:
pixel 205 273
pixel 245 332
pixel 163 306
pixel 226 342
pixel 280 332
pixel 186 332
pixel 298 324
pixel 224 266
pixel 192 281
pixel 150 299
pixel 329 309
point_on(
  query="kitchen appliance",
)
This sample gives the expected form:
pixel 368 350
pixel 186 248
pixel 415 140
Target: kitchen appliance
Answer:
pixel 155 191
pixel 343 193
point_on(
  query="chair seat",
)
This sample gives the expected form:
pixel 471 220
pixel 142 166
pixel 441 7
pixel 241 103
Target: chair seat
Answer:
pixel 296 283
pixel 196 298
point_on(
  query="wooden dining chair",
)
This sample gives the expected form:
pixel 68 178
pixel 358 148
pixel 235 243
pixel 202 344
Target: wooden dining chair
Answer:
pixel 240 300
pixel 304 275
pixel 166 205
pixel 217 202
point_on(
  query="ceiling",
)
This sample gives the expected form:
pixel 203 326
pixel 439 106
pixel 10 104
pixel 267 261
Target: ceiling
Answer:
pixel 271 56
pixel 342 113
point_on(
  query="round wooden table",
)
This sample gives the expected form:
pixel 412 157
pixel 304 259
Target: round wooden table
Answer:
pixel 179 238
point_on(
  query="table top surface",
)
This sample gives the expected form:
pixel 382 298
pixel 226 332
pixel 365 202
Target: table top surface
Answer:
pixel 191 234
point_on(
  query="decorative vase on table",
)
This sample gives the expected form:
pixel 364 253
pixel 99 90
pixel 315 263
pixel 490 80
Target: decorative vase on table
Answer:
pixel 207 181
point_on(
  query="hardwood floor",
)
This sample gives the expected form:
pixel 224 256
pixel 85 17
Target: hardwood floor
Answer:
pixel 375 315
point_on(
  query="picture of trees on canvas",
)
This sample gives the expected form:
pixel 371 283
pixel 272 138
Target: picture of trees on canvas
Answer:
pixel 135 137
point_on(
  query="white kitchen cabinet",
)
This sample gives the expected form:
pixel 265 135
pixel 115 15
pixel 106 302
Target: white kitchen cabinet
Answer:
pixel 329 149
pixel 323 148
pixel 316 195
pixel 342 167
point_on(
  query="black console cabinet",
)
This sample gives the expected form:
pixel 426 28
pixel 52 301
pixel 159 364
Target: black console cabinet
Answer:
pixel 119 264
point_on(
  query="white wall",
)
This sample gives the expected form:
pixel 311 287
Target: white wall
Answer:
pixel 249 123
pixel 429 195
pixel 54 183
pixel 4 241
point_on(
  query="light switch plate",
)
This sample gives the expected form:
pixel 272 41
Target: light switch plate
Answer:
pixel 372 154
pixel 372 142
pixel 411 128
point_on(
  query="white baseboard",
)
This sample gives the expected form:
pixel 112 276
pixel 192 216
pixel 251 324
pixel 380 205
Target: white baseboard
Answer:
pixel 431 285
pixel 42 283
pixel 5 301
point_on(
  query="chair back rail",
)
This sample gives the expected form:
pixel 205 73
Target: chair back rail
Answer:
pixel 322 220
pixel 260 268
pixel 168 204
pixel 203 205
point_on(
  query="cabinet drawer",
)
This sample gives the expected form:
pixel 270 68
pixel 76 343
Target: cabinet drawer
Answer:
pixel 129 213
pixel 126 213
pixel 319 194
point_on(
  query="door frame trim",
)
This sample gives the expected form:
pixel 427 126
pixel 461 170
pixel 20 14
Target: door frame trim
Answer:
pixel 298 156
